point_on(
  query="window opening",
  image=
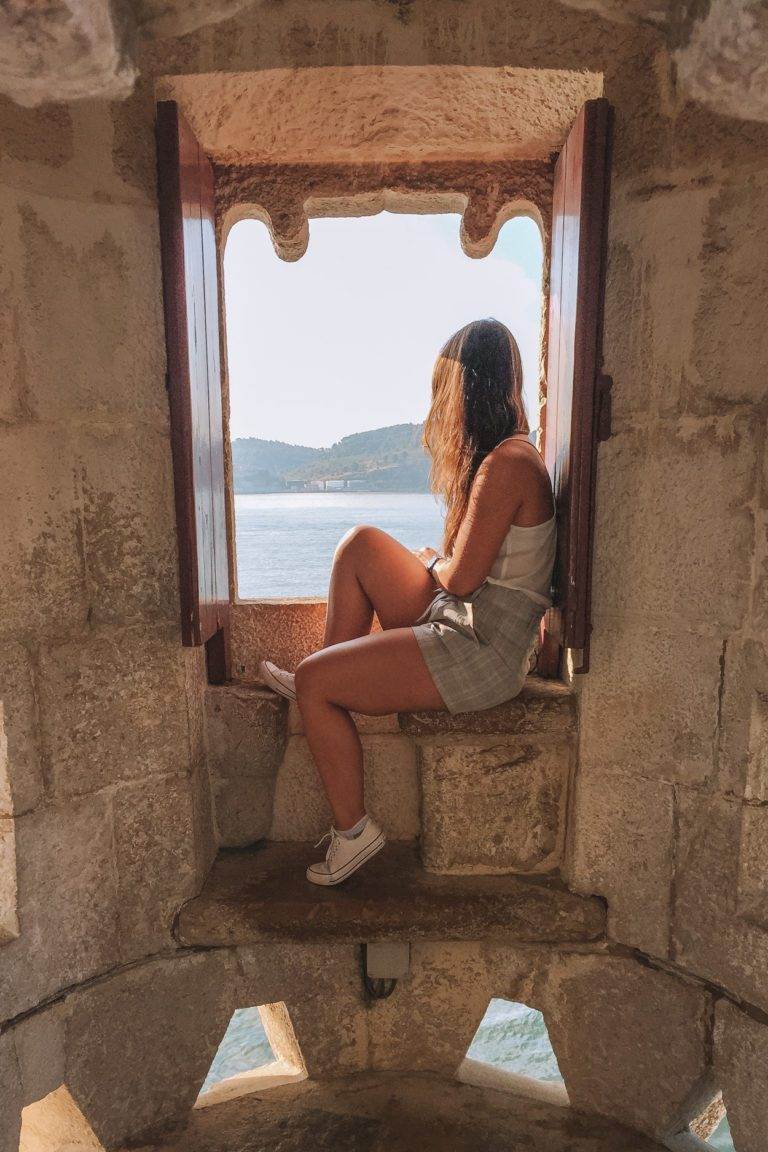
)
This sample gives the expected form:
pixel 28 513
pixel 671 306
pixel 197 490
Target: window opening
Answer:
pixel 511 1052
pixel 329 365
pixel 258 1051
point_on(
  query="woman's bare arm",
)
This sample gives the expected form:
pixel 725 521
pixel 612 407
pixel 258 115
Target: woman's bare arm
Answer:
pixel 496 497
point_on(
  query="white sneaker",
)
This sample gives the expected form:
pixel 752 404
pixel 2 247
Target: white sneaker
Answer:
pixel 345 856
pixel 284 683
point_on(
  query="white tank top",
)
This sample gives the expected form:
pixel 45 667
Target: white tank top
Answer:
pixel 526 559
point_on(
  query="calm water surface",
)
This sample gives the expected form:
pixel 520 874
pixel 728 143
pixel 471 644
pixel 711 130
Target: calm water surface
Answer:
pixel 286 541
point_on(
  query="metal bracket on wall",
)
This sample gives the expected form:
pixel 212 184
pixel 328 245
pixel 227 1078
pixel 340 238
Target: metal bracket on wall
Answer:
pixel 603 398
pixel 384 963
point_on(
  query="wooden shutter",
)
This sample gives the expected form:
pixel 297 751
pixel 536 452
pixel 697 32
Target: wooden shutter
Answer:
pixel 578 395
pixel 190 291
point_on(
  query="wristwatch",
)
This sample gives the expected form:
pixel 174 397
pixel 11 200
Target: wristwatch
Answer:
pixel 432 563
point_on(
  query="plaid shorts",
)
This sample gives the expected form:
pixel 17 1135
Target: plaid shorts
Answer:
pixel 477 650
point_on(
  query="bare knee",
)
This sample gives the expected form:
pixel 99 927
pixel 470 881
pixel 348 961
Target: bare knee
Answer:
pixel 309 680
pixel 361 538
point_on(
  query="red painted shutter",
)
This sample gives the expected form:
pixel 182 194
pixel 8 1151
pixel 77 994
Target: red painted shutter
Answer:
pixel 190 290
pixel 577 412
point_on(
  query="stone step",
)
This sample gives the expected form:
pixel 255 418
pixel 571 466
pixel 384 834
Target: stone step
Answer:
pixel 261 893
pixel 485 792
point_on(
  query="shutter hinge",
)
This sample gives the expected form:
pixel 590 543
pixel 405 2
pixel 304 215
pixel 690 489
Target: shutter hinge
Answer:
pixel 603 422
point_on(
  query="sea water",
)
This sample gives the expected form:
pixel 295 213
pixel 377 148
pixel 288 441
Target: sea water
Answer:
pixel 285 542
pixel 285 546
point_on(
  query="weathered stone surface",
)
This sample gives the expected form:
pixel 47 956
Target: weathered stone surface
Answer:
pixel 753 865
pixel 10 1095
pixel 65 51
pixel 399 1112
pixel 140 1043
pixel 543 707
pixel 743 727
pixel 622 848
pixel 126 487
pixel 419 1027
pixel 9 916
pixel 105 261
pixel 723 61
pixel 21 782
pixel 320 987
pixel 42 576
pixel 40 1042
pixel 495 806
pixel 647 1035
pixel 710 936
pixel 649 706
pixel 246 735
pixel 685 492
pixel 156 865
pixel 67 901
pixel 262 894
pixel 741 1068
pixel 302 813
pixel 284 631
pixel 729 343
pixel 387 114
pixel 112 708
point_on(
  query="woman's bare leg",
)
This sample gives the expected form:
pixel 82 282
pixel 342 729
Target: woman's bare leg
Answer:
pixel 375 675
pixel 373 572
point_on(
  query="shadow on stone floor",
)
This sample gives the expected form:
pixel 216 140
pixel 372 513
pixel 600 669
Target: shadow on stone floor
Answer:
pixel 374 1112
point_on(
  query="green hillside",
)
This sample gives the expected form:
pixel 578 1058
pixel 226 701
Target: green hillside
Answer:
pixel 382 460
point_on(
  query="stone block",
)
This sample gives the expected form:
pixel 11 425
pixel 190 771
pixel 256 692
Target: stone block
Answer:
pixel 753 865
pixel 42 573
pixel 284 631
pixel 128 523
pixel 743 721
pixel 631 1042
pixel 67 900
pixel 246 733
pixel 105 262
pixel 542 708
pixel 711 936
pixel 156 860
pixel 622 848
pixel 11 1099
pixel 21 781
pixel 9 917
pixel 430 1020
pixel 140 1043
pixel 654 279
pixel 321 987
pixel 493 805
pixel 40 1041
pixel 649 706
pixel 729 337
pixel 301 811
pixel 113 708
pixel 672 501
pixel 741 1068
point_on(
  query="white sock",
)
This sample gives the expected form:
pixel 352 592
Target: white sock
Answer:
pixel 355 830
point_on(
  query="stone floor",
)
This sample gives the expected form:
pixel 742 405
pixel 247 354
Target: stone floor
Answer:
pixel 391 1112
pixel 261 894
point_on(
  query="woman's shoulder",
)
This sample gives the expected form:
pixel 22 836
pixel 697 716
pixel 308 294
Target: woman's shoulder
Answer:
pixel 516 454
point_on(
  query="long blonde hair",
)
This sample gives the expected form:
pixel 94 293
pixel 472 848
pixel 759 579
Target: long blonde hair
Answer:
pixel 477 401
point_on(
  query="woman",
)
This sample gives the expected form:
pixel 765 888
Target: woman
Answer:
pixel 457 630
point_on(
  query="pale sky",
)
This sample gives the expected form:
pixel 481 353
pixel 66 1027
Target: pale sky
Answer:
pixel 344 339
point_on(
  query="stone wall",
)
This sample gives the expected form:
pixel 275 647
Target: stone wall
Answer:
pixel 103 784
pixel 104 795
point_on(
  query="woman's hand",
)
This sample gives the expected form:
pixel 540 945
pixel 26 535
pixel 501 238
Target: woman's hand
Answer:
pixel 427 555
